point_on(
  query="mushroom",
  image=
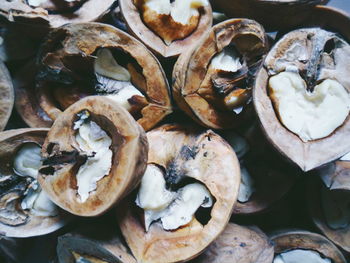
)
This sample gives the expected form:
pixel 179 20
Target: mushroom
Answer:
pixel 96 242
pixel 243 244
pixel 7 96
pixel 329 201
pixel 213 80
pixel 37 17
pixel 302 96
pixel 167 27
pixel 193 196
pixel 112 64
pixel 304 246
pixel 94 154
pixel 272 14
pixel 25 209
pixel 261 170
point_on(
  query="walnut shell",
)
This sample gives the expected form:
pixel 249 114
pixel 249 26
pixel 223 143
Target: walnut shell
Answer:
pixel 299 239
pixel 192 88
pixel 139 29
pixel 69 69
pixel 338 179
pixel 243 244
pixel 38 21
pixel 314 153
pixel 61 153
pixel 7 96
pixel 272 14
pixel 10 142
pixel 185 153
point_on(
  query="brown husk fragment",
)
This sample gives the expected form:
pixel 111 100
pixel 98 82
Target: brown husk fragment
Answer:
pixel 129 147
pixel 193 89
pixel 7 96
pixel 99 239
pixel 68 69
pixel 311 154
pixel 29 225
pixel 181 37
pixel 272 14
pixel 336 174
pixel 38 21
pixel 243 244
pixel 299 239
pixel 184 152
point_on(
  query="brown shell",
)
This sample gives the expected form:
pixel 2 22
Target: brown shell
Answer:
pixel 26 102
pixel 272 14
pixel 10 141
pixel 299 239
pixel 129 146
pixel 269 171
pixel 191 69
pixel 198 155
pixel 7 96
pixel 243 244
pixel 311 154
pixel 38 21
pixel 99 239
pixel 154 42
pixel 80 41
pixel 339 180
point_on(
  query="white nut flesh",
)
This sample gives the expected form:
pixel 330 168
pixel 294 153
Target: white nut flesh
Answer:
pixel 309 114
pixel 300 255
pixel 105 65
pixel 335 205
pixel 37 3
pixel 238 143
pixel 181 11
pixel 27 162
pixel 227 60
pixel 246 188
pixel 346 157
pixel 96 144
pixel 173 209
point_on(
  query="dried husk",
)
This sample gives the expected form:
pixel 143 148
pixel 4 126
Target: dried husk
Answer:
pixel 338 178
pixel 10 141
pixel 311 154
pixel 243 244
pixel 154 42
pixel 7 96
pixel 188 153
pixel 191 69
pixel 299 239
pixel 38 21
pixel 79 42
pixel 129 147
pixel 272 14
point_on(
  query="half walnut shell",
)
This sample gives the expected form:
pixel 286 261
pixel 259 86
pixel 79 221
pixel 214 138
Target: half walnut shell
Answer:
pixel 7 96
pixel 94 155
pixel 77 60
pixel 244 244
pixel 308 57
pixel 15 219
pixel 37 17
pixel 213 80
pixel 272 14
pixel 332 197
pixel 303 240
pixel 159 32
pixel 97 242
pixel 184 155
